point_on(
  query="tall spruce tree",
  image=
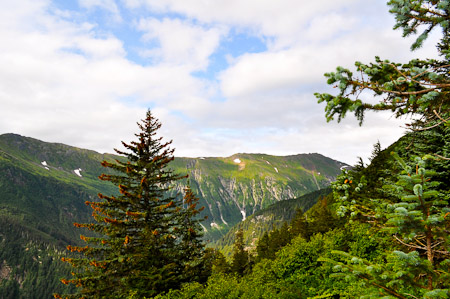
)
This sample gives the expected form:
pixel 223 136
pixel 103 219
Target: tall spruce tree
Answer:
pixel 147 238
pixel 299 225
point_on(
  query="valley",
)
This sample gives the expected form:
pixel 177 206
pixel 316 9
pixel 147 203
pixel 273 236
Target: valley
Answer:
pixel 45 185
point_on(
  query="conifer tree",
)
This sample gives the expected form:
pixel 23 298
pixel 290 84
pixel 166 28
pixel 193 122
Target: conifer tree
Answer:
pixel 299 225
pixel 418 222
pixel 321 218
pixel 240 258
pixel 147 239
pixel 263 247
pixel 417 212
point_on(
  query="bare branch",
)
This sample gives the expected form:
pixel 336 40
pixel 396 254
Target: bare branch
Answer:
pixel 440 117
pixel 428 128
pixel 409 245
pixel 439 156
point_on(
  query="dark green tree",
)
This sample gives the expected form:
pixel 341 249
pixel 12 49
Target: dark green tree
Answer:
pixel 417 222
pixel 299 225
pixel 321 217
pixel 219 262
pixel 240 258
pixel 190 244
pixel 147 238
pixel 263 248
pixel 278 238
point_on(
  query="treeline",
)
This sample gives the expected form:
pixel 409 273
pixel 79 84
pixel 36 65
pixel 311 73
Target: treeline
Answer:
pixel 265 220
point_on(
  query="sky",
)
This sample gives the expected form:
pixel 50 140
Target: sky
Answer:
pixel 222 76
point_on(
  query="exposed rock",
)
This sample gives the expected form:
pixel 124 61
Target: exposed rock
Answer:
pixel 5 271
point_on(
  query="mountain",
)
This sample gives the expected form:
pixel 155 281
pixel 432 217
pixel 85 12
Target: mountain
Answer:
pixel 44 187
pixel 268 219
pixel 42 193
pixel 236 187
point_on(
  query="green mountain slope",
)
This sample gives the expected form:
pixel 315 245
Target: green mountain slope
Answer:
pixel 41 196
pixel 42 184
pixel 267 219
pixel 236 187
pixel 44 187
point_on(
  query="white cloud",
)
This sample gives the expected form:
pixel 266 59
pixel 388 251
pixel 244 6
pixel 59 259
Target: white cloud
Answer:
pixel 180 42
pixel 263 13
pixel 323 27
pixel 305 64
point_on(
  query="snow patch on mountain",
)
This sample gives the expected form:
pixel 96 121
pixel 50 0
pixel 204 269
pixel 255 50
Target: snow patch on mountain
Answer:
pixel 243 214
pixel 78 172
pixel 44 163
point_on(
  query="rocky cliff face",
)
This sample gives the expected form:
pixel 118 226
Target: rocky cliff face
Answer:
pixel 236 187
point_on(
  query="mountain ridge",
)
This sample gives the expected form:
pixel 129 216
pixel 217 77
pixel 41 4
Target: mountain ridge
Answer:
pixel 231 188
pixel 45 186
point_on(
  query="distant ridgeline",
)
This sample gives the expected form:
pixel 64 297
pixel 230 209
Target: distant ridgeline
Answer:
pixel 45 186
pixel 236 187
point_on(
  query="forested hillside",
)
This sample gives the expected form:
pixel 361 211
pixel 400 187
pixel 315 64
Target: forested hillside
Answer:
pixel 42 195
pixel 233 188
pixel 271 218
pixel 45 187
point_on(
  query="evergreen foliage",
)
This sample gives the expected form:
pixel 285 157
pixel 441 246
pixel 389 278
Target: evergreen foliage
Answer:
pixel 409 201
pixel 419 87
pixel 299 225
pixel 240 258
pixel 147 240
pixel 417 222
